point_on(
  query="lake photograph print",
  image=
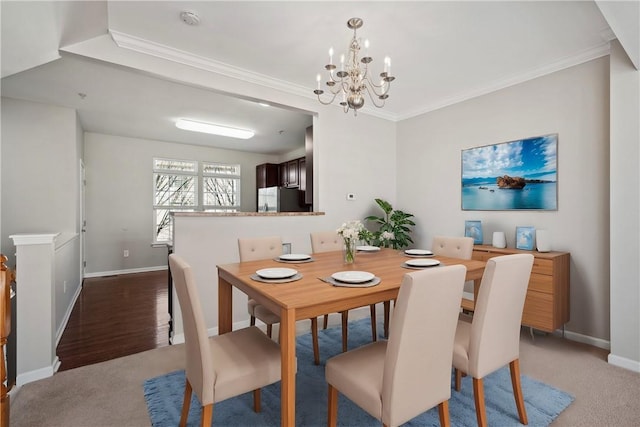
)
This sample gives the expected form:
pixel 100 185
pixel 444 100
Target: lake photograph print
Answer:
pixel 511 175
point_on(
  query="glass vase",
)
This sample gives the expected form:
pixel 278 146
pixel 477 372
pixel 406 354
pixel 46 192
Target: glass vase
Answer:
pixel 349 251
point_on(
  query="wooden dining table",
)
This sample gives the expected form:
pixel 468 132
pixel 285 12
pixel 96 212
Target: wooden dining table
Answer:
pixel 310 297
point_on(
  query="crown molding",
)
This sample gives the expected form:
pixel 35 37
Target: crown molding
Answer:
pixel 582 57
pixel 148 47
pixel 127 41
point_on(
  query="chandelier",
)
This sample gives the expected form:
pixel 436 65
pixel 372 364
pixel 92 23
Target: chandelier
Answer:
pixel 353 79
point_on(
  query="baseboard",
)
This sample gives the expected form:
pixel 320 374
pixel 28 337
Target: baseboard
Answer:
pixel 67 315
pixel 623 362
pixel 127 271
pixel 179 338
pixel 585 339
pixel 38 374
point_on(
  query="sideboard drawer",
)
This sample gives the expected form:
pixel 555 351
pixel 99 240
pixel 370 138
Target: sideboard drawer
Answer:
pixel 542 266
pixel 541 283
pixel 538 311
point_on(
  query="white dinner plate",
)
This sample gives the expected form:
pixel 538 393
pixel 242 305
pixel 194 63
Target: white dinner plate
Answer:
pixel 367 248
pixel 276 273
pixel 295 257
pixel 418 252
pixel 422 262
pixel 353 276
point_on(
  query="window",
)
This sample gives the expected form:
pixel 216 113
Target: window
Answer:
pixel 220 187
pixel 176 184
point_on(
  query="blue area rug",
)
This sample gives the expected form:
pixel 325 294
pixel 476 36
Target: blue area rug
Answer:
pixel 164 395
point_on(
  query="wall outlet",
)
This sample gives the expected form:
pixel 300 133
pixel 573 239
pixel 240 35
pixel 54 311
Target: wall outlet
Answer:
pixel 64 287
pixel 126 253
pixel 351 196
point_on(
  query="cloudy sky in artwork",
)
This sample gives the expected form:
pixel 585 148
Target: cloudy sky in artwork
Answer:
pixel 533 158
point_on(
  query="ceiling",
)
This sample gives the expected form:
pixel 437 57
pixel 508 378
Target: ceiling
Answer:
pixel 442 53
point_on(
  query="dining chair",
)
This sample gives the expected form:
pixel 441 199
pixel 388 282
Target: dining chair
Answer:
pixel 222 366
pixel 456 247
pixel 398 379
pixel 327 241
pixel 491 339
pixel 252 249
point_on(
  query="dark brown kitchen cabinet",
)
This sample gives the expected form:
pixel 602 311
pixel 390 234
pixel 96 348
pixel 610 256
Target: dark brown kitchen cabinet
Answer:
pixel 267 175
pixel 290 174
pixel 293 173
pixel 302 174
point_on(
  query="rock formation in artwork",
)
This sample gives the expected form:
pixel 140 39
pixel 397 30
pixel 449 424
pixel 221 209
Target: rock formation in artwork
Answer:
pixel 510 182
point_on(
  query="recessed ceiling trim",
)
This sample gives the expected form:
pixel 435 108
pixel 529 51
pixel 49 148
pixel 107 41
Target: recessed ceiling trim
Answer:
pixel 580 58
pixel 148 47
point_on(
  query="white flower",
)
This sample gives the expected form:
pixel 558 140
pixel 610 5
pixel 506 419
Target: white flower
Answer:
pixel 387 235
pixel 350 230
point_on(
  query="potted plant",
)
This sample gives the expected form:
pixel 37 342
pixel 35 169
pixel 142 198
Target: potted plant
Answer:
pixel 394 227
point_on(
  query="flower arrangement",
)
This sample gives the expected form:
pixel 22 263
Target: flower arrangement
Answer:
pixel 351 232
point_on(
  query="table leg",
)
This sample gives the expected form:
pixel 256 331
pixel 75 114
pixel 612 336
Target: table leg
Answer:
pixel 288 366
pixel 225 306
pixel 476 289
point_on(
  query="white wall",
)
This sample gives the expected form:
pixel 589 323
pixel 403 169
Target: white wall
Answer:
pixel 573 103
pixel 40 193
pixel 119 196
pixel 39 170
pixel 625 212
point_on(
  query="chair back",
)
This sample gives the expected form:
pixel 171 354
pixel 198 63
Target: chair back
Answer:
pixel 453 247
pixel 326 241
pixel 495 328
pixel 417 369
pixel 259 248
pixel 199 369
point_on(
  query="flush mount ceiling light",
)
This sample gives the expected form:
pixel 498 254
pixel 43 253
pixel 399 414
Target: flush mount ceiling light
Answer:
pixel 214 129
pixel 352 80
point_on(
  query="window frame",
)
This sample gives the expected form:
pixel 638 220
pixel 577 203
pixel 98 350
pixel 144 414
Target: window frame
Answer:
pixel 199 175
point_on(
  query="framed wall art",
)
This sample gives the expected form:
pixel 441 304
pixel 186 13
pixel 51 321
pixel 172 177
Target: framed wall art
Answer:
pixel 514 175
pixel 525 238
pixel 473 229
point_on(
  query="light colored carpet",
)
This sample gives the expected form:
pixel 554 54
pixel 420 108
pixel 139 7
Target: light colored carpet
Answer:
pixel 110 393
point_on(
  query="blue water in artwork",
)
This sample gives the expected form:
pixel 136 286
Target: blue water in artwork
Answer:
pixel 487 196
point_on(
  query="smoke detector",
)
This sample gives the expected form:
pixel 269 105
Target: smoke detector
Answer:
pixel 190 17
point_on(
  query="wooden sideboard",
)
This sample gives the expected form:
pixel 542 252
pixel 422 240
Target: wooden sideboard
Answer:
pixel 547 304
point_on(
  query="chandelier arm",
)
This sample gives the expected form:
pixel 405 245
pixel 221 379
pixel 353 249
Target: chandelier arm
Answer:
pixel 374 98
pixel 384 87
pixel 328 102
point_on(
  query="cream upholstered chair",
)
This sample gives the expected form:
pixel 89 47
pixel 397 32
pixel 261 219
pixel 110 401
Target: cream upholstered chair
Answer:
pixel 253 249
pixel 456 247
pixel 452 247
pixel 492 339
pixel 398 379
pixel 223 366
pixel 327 241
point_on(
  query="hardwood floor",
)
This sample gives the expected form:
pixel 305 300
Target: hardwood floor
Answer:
pixel 116 316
